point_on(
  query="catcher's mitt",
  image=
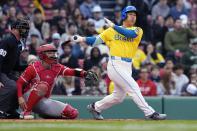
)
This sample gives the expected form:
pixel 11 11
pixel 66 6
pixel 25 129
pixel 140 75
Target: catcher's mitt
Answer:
pixel 91 79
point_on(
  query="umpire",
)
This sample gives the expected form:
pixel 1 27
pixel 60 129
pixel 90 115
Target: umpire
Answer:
pixel 10 47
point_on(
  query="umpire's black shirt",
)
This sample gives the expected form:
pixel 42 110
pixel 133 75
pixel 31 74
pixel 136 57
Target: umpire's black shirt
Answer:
pixel 10 47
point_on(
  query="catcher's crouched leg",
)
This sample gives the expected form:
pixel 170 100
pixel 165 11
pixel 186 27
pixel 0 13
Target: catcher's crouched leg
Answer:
pixel 69 112
pixel 39 91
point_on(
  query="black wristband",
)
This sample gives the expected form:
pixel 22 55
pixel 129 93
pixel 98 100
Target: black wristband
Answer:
pixel 78 72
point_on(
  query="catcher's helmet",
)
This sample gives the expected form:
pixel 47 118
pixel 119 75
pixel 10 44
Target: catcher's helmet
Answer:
pixel 47 48
pixel 127 9
pixel 23 27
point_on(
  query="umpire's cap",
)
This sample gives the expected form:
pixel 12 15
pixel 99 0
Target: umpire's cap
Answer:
pixel 127 9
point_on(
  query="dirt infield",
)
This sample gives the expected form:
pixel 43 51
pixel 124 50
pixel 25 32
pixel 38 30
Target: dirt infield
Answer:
pixel 64 120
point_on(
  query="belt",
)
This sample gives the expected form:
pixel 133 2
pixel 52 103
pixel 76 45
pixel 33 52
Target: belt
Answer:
pixel 121 58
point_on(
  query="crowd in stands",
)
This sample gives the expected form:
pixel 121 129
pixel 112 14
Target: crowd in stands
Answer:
pixel 165 62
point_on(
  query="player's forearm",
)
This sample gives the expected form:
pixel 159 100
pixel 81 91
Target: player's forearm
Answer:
pixel 74 72
pixel 126 32
pixel 19 85
pixel 93 40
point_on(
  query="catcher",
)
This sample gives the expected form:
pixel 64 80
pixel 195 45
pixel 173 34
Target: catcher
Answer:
pixel 36 83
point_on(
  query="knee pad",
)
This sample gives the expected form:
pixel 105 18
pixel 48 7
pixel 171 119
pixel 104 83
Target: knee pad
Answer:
pixel 41 88
pixel 69 112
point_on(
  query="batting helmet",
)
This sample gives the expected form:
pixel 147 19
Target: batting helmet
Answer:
pixel 47 48
pixel 127 9
pixel 23 27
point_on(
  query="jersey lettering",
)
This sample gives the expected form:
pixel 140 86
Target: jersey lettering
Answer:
pixel 122 38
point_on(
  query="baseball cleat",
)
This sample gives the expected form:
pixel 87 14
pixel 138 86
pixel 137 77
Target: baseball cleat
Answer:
pixel 156 116
pixel 26 115
pixel 97 115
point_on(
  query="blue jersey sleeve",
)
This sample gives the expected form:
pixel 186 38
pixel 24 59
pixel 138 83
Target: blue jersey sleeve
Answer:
pixel 94 40
pixel 126 32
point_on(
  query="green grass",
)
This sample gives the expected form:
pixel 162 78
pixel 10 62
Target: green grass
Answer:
pixel 93 125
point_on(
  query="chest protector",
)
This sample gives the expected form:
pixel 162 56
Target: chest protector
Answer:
pixel 46 75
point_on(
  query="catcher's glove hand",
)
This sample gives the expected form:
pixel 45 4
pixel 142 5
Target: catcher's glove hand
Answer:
pixel 91 79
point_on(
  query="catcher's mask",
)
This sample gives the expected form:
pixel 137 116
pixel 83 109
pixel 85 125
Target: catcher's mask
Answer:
pixel 22 25
pixel 41 51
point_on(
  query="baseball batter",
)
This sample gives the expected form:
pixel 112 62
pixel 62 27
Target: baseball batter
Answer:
pixel 123 42
pixel 36 83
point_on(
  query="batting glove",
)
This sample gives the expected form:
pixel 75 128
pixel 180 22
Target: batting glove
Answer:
pixel 77 38
pixel 109 22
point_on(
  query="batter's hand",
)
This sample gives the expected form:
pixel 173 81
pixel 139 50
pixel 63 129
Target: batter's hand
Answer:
pixel 77 38
pixel 109 22
pixel 22 103
pixel 1 85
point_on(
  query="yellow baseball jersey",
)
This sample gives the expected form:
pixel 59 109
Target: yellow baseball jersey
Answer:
pixel 120 45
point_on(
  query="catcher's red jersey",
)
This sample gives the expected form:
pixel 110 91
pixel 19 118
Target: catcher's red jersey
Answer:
pixel 36 72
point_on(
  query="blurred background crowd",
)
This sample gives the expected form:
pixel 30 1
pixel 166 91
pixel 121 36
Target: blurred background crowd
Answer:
pixel 165 63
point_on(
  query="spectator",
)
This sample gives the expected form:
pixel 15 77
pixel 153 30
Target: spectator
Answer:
pixel 72 85
pixel 42 26
pixel 178 9
pixel 155 77
pixel 193 12
pixel 94 59
pixel 179 78
pixel 189 59
pixel 97 19
pixel 80 21
pixel 193 26
pixel 34 43
pixel 48 6
pixel 71 30
pixel 153 57
pixel 117 15
pixel 150 4
pixel 67 58
pixel 30 11
pixel 1 11
pixel 34 31
pixel 60 23
pixel 169 23
pixel 8 4
pixel 178 39
pixel 71 6
pixel 86 8
pixel 11 16
pixel 147 86
pixel 56 41
pixel 166 73
pixel 160 9
pixel 90 30
pixel 3 28
pixel 24 5
pixel 159 31
pixel 191 88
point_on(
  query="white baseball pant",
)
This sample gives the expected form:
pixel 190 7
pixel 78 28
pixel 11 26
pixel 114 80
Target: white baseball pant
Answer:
pixel 120 72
